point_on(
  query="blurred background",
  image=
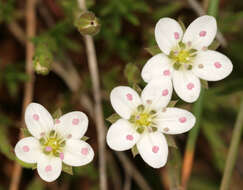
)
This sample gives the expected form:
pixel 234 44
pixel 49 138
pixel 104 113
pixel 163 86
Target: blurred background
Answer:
pixel 127 29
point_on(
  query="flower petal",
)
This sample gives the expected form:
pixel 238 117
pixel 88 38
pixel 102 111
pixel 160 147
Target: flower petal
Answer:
pixel 38 119
pixel 124 100
pixel 157 66
pixel 168 33
pixel 186 85
pixel 153 148
pixel 77 153
pixel 72 125
pixel 28 150
pixel 49 167
pixel 121 136
pixel 175 121
pixel 157 93
pixel 212 65
pixel 201 32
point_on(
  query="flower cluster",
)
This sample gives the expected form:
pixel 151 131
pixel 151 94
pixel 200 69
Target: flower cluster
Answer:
pixel 185 59
pixel 54 141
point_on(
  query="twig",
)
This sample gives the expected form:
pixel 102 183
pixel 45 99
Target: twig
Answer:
pixel 199 10
pixel 128 182
pixel 99 119
pixel 233 150
pixel 28 91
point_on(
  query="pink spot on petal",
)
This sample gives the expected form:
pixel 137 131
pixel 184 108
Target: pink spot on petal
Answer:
pixel 166 72
pixel 182 119
pixel 129 137
pixel 36 117
pixel 217 65
pixel 202 33
pixel 69 136
pixel 165 92
pixel 155 149
pixel 48 168
pixel 85 151
pixel 61 156
pixel 48 149
pixel 75 121
pixel 176 35
pixel 129 97
pixel 26 148
pixel 190 86
pixel 57 121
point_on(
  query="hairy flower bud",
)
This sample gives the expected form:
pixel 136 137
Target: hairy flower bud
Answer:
pixel 88 24
pixel 42 60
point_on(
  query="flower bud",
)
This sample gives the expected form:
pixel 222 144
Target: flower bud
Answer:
pixel 42 60
pixel 87 23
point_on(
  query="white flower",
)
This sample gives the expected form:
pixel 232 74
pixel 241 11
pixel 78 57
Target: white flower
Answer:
pixel 144 120
pixel 185 57
pixel 54 142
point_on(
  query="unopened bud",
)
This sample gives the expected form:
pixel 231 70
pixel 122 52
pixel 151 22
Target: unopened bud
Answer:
pixel 88 24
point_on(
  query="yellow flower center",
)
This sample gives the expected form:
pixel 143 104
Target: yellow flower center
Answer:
pixel 143 119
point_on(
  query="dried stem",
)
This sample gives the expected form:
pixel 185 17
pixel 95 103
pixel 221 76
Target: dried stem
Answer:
pixel 99 119
pixel 28 91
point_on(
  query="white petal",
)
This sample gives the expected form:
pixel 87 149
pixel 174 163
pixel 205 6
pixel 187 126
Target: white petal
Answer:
pixel 157 93
pixel 186 85
pixel 38 119
pixel 77 153
pixel 49 167
pixel 175 121
pixel 157 66
pixel 121 135
pixel 153 149
pixel 212 65
pixel 201 32
pixel 168 33
pixel 72 125
pixel 28 150
pixel 124 100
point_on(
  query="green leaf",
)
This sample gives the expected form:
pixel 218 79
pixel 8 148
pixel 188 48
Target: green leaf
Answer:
pixel 84 138
pixel 204 83
pixel 172 103
pixel 134 151
pixel 171 141
pixel 113 118
pixel 153 50
pixel 67 169
pixel 25 132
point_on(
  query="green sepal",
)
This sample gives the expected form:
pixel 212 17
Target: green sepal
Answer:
pixel 204 83
pixel 137 88
pixel 172 103
pixel 85 138
pixel 132 73
pixel 67 169
pixel 25 132
pixel 26 165
pixel 153 50
pixel 181 23
pixel 134 151
pixel 171 141
pixel 57 114
pixel 214 45
pixel 113 118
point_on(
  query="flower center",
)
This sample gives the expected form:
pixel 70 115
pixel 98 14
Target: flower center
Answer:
pixel 182 56
pixel 142 119
pixel 52 143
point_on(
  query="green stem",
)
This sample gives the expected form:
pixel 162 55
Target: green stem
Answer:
pixel 197 110
pixel 234 145
pixel 213 7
